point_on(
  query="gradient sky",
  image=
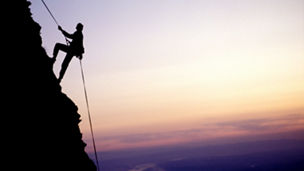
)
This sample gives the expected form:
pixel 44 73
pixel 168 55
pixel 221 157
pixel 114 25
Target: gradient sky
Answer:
pixel 174 71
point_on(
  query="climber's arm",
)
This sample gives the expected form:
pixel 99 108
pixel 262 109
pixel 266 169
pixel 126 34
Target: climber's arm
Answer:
pixel 66 34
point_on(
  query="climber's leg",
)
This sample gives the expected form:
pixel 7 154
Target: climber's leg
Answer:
pixel 65 65
pixel 59 46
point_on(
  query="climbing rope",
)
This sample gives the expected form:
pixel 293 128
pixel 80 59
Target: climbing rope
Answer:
pixel 87 101
pixel 85 91
pixel 66 39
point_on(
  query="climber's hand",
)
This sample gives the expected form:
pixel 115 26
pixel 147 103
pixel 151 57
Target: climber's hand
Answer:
pixel 59 28
pixel 80 57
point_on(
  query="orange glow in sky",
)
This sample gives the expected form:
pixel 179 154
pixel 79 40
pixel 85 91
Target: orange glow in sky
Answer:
pixel 167 72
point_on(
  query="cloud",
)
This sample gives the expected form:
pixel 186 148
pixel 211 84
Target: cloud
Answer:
pixel 135 138
pixel 248 125
pixel 264 124
pixel 146 167
pixel 207 131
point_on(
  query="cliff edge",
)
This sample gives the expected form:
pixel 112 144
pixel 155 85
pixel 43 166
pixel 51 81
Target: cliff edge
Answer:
pixel 44 132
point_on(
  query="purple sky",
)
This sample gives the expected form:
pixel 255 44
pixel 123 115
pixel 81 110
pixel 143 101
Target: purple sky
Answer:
pixel 164 72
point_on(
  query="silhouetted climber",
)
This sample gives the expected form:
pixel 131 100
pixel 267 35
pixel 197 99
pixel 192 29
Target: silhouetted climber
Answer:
pixel 75 48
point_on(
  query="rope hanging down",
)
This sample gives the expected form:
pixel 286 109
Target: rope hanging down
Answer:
pixel 85 92
pixel 87 101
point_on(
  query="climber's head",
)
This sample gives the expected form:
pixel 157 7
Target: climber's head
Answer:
pixel 79 27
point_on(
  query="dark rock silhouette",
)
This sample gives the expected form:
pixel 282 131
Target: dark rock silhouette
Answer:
pixel 43 131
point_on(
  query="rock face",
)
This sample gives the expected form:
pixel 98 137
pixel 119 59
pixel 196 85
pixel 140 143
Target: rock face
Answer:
pixel 45 134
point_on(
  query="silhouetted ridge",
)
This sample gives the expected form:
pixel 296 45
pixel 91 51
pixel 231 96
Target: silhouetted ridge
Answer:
pixel 45 134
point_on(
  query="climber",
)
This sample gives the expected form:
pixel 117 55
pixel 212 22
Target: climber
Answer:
pixel 74 48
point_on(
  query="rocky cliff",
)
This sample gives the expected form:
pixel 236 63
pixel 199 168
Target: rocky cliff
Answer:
pixel 43 122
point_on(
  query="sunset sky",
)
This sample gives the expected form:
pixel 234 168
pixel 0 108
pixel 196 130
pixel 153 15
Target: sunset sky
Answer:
pixel 161 72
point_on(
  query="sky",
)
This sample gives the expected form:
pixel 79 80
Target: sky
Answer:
pixel 161 72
